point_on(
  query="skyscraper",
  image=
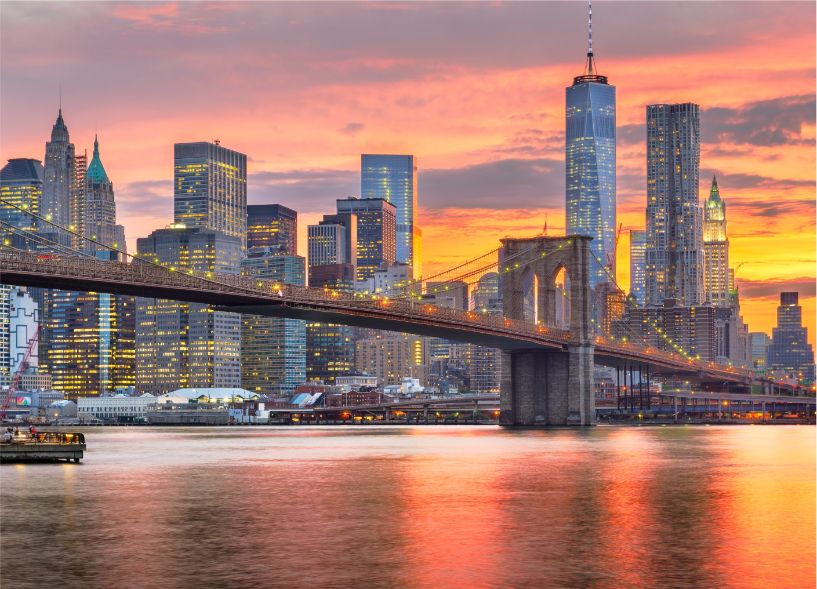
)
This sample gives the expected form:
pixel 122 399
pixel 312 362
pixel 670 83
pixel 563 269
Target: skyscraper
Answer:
pixel 638 244
pixel 590 164
pixel 327 244
pixel 394 179
pixel 330 348
pixel 716 250
pixel 484 366
pixel 376 233
pixel 210 188
pixel 187 344
pixel 273 226
pixel 59 179
pixel 21 187
pixel 790 353
pixel 99 222
pixel 273 349
pixel 674 251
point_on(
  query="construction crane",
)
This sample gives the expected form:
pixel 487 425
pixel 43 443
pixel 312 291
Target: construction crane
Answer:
pixel 611 260
pixel 21 368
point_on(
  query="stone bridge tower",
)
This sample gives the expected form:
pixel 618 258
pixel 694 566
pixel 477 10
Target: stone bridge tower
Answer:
pixel 545 387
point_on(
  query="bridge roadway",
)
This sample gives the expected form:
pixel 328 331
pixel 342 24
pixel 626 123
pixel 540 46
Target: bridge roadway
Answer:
pixel 244 294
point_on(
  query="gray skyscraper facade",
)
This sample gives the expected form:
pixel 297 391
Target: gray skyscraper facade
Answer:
pixel 210 188
pixel 590 166
pixel 674 257
pixel 58 176
pixel 394 179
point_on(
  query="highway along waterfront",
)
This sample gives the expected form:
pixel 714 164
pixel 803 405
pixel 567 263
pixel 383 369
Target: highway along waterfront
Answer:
pixel 425 507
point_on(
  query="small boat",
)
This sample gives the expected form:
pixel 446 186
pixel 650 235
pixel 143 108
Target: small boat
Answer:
pixel 42 447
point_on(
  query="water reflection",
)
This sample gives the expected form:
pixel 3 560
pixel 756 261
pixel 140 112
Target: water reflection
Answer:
pixel 417 507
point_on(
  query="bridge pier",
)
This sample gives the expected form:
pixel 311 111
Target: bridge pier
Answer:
pixel 541 387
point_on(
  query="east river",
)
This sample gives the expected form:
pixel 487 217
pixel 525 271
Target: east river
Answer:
pixel 431 507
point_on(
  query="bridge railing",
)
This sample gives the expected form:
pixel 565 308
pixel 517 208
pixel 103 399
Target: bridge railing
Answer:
pixel 150 274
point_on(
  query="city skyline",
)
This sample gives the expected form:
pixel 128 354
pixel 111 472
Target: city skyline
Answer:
pixel 761 155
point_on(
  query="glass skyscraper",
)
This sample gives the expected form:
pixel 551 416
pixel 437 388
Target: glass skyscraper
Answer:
pixel 21 185
pixel 789 352
pixel 590 166
pixel 674 256
pixel 273 349
pixel 376 233
pixel 210 188
pixel 394 179
pixel 272 226
pixel 638 244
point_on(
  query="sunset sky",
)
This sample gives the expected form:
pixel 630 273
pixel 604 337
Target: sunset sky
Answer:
pixel 474 90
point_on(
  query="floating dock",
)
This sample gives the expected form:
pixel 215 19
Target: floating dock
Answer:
pixel 43 447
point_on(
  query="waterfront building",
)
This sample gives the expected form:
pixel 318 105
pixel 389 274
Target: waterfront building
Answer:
pixel 330 348
pixel 210 188
pixel 59 176
pixel 273 349
pixel 759 343
pixel 273 226
pixel 390 357
pixel 21 187
pixel 638 244
pixel 187 344
pixel 376 233
pixel 590 165
pixel 119 407
pixel 674 263
pixel 716 250
pixel 394 179
pixel 23 321
pixel 789 353
pixel 5 335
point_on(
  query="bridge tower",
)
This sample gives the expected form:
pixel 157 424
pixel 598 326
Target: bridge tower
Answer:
pixel 543 387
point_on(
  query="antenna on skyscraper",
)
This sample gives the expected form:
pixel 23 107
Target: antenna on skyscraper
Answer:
pixel 591 66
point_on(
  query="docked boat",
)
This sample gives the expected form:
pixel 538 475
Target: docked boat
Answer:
pixel 42 447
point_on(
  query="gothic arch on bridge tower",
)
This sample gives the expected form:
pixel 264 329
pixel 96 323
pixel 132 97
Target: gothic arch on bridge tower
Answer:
pixel 539 262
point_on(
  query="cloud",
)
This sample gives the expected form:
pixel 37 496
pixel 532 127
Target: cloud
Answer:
pixel 772 288
pixel 502 184
pixel 307 191
pixel 778 121
pixel 352 128
pixel 145 197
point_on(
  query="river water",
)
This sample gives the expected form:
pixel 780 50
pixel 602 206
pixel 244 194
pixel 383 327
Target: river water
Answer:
pixel 427 506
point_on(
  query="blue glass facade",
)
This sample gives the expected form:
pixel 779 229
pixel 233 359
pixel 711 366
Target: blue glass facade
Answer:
pixel 590 167
pixel 394 179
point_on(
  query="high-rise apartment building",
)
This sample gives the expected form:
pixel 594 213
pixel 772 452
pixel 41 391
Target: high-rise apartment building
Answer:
pixel 391 357
pixel 590 165
pixel 674 252
pixel 789 352
pixel 638 245
pixel 210 188
pixel 376 232
pixel 394 179
pixel 716 250
pixel 273 349
pixel 272 226
pixel 182 345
